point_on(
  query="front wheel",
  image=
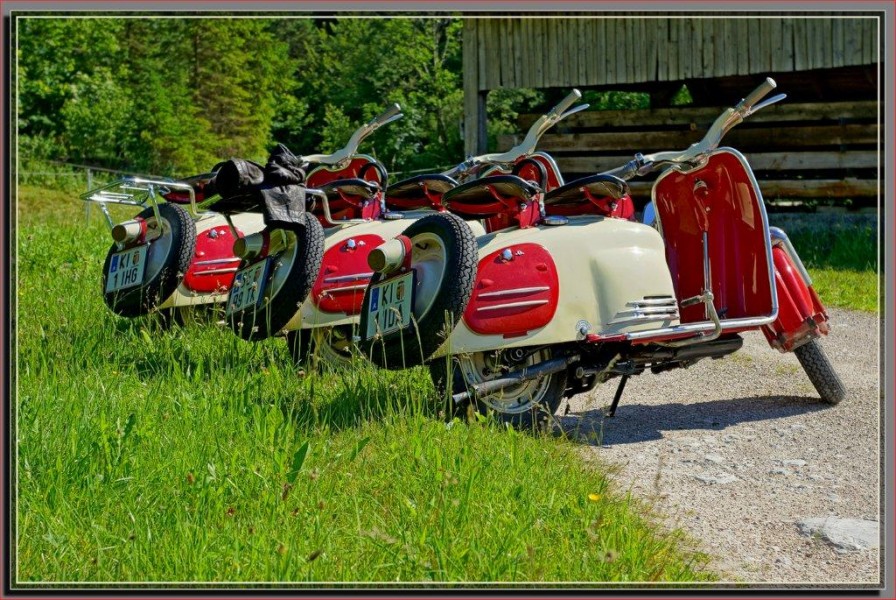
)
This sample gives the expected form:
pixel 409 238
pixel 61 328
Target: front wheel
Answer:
pixel 292 271
pixel 525 405
pixel 822 375
pixel 329 345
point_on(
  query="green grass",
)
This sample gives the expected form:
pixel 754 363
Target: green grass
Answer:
pixel 191 455
pixel 843 263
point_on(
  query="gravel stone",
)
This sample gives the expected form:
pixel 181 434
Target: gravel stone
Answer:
pixel 846 535
pixel 745 402
pixel 721 479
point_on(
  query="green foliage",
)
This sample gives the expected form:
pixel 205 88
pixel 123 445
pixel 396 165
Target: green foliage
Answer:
pixel 502 108
pixel 615 100
pixel 161 95
pixel 682 97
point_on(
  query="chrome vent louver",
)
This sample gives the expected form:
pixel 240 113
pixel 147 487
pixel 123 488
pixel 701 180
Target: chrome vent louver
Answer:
pixel 651 308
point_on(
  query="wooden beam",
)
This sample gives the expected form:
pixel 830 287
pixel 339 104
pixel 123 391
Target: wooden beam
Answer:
pixel 471 50
pixel 827 111
pixel 793 161
pixel 652 141
pixel 805 189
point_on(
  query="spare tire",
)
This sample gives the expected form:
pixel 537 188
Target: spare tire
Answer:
pixel 444 258
pixel 289 279
pixel 167 259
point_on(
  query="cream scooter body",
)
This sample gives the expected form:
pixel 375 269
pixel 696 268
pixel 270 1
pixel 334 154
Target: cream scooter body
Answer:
pixel 607 269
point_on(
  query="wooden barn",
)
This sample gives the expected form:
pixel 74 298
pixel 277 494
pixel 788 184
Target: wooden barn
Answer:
pixel 822 142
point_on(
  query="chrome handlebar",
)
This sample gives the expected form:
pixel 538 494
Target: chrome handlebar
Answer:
pixel 340 156
pixel 696 153
pixel 527 146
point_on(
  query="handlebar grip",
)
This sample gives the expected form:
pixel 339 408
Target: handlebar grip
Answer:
pixel 393 110
pixel 564 104
pixel 758 94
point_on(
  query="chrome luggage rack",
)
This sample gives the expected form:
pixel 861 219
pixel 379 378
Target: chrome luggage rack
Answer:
pixel 137 191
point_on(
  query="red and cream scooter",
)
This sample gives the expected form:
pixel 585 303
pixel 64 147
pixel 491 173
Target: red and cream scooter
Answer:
pixel 564 300
pixel 351 204
pixel 171 257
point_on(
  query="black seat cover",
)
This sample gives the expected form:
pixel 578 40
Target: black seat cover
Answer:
pixel 475 199
pixel 413 187
pixel 353 187
pixel 600 186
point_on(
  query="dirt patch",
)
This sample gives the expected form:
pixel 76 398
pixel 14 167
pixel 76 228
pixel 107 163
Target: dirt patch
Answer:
pixel 739 451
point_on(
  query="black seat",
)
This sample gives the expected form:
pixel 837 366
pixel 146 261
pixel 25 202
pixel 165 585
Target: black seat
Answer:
pixel 420 191
pixel 477 199
pixel 598 186
pixel 201 189
pixel 353 187
pixel 413 187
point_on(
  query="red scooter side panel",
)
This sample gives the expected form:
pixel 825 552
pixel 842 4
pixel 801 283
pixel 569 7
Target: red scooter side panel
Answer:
pixel 513 297
pixel 214 264
pixel 719 199
pixel 344 276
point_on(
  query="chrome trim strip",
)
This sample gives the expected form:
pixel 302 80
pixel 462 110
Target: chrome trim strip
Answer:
pixel 513 305
pixel 217 271
pixel 354 277
pixel 347 288
pixel 217 261
pixel 653 302
pixel 649 310
pixel 513 292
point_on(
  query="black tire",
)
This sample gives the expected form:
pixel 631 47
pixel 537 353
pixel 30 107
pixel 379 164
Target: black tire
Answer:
pixel 321 346
pixel 168 258
pixel 534 414
pixel 435 317
pixel 302 259
pixel 822 375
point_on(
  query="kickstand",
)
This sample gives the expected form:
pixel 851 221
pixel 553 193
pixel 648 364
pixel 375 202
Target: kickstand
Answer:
pixel 622 382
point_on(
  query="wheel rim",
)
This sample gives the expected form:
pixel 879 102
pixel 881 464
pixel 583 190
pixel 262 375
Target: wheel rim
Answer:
pixel 429 259
pixel 282 264
pixel 516 399
pixel 333 345
pixel 159 247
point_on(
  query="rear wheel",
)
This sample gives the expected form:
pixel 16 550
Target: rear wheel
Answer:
pixel 172 241
pixel 444 259
pixel 329 345
pixel 292 272
pixel 822 375
pixel 525 405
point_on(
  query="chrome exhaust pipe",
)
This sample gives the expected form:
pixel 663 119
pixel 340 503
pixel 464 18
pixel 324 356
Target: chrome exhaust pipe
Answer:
pixel 250 246
pixel 541 369
pixel 128 231
pixel 388 256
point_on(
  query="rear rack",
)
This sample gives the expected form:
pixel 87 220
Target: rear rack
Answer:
pixel 137 191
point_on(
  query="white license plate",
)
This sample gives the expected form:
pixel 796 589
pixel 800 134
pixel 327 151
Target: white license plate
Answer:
pixel 389 305
pixel 126 269
pixel 248 287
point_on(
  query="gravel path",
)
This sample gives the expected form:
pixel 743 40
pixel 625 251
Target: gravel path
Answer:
pixel 739 451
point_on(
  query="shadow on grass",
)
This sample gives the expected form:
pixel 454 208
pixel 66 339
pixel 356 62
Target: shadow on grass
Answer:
pixel 640 422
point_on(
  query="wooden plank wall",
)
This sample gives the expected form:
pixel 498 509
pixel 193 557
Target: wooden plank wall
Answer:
pixel 808 151
pixel 542 52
